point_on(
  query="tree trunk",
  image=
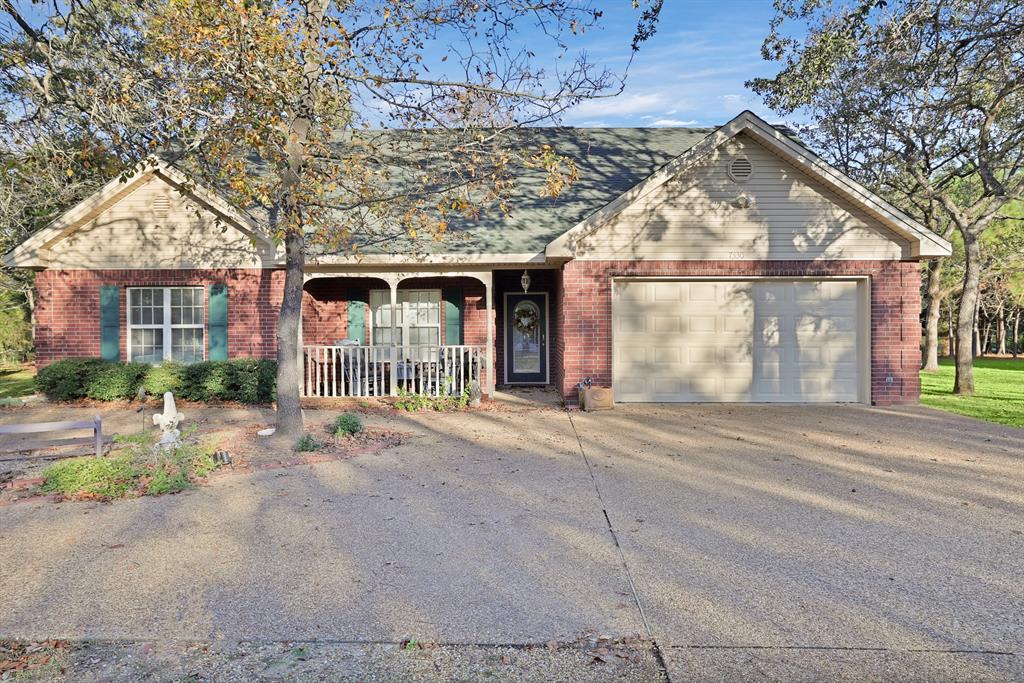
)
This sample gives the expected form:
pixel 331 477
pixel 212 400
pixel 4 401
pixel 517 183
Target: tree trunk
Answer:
pixel 1016 333
pixel 977 329
pixel 932 313
pixel 289 374
pixel 951 330
pixel 964 383
pixel 1000 330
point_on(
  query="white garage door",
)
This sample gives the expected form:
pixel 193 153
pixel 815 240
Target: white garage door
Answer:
pixel 753 340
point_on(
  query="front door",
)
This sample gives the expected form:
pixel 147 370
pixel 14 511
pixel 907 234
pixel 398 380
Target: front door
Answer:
pixel 526 338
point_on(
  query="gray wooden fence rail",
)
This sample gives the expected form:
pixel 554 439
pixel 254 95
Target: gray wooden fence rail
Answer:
pixel 95 424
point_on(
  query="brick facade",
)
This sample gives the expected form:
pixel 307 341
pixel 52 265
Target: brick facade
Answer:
pixel 585 318
pixel 68 308
pixel 67 311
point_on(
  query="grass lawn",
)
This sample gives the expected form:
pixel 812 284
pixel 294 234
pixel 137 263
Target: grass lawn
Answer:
pixel 999 386
pixel 17 380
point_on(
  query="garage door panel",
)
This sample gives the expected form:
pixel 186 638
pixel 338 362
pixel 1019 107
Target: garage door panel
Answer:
pixel 700 323
pixel 666 291
pixel 667 324
pixel 760 340
pixel 667 355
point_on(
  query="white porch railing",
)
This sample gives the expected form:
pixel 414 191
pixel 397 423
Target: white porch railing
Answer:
pixel 367 371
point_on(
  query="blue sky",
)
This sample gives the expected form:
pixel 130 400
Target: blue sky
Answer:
pixel 690 74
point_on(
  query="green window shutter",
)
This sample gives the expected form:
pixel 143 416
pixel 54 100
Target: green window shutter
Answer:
pixel 357 317
pixel 452 316
pixel 217 323
pixel 110 322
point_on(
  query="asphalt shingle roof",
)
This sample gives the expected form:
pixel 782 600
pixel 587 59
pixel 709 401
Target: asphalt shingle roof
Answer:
pixel 610 161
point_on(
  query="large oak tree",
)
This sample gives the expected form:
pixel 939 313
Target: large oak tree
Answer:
pixel 281 104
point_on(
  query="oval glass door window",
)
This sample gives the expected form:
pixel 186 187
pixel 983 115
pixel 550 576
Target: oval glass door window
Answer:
pixel 526 331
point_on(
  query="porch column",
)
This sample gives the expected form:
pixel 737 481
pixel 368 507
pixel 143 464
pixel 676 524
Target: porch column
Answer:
pixel 489 288
pixel 393 284
pixel 302 353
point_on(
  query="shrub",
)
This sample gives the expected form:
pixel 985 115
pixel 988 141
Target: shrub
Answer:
pixel 205 381
pixel 306 443
pixel 168 376
pixel 68 379
pixel 253 380
pixel 116 381
pixel 346 423
pixel 246 380
pixel 412 402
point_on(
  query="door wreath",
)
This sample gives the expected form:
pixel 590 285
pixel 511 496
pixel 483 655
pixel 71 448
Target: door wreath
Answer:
pixel 526 319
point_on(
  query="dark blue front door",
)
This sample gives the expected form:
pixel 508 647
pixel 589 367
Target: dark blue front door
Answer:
pixel 526 339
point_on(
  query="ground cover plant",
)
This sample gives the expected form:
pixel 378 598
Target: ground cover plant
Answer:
pixel 135 467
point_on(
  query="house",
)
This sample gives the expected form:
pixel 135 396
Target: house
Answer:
pixel 726 264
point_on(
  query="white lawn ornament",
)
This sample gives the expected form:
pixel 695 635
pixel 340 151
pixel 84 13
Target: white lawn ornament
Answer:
pixel 168 422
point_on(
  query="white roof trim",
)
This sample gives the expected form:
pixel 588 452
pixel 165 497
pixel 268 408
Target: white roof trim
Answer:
pixel 33 252
pixel 924 243
pixel 425 259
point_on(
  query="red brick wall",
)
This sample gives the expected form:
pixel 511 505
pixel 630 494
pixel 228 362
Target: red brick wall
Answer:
pixel 68 308
pixel 325 309
pixel 584 321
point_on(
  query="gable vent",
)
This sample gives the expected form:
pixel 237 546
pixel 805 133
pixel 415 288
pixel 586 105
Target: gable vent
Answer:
pixel 161 205
pixel 740 169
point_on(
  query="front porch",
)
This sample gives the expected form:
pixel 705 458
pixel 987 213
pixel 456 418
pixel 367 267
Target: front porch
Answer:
pixel 374 333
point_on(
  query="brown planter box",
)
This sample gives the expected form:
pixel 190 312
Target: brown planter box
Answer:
pixel 596 398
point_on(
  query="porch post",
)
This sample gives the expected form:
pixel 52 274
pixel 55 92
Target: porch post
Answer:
pixel 302 355
pixel 489 287
pixel 393 284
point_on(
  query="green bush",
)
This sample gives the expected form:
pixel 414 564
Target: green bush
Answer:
pixel 346 423
pixel 165 377
pixel 254 380
pixel 206 381
pixel 412 402
pixel 68 379
pixel 116 381
pixel 246 380
pixel 306 443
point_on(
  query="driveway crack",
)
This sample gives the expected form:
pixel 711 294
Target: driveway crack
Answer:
pixel 615 538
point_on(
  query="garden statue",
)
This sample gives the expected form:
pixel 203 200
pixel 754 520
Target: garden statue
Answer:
pixel 168 422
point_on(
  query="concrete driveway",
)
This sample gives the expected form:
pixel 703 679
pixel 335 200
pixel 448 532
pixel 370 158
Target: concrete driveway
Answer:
pixel 788 542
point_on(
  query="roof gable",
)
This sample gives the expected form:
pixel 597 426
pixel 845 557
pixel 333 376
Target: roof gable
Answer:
pixel 923 243
pixel 45 247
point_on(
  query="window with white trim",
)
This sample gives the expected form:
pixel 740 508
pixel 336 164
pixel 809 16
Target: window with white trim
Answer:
pixel 417 317
pixel 166 323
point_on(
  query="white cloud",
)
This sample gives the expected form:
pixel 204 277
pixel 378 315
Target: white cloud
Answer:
pixel 733 101
pixel 672 122
pixel 620 105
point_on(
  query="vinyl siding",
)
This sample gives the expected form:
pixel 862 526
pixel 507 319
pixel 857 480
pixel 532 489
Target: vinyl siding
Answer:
pixel 131 234
pixel 693 217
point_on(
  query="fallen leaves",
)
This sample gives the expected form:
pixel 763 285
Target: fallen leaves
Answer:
pixel 17 656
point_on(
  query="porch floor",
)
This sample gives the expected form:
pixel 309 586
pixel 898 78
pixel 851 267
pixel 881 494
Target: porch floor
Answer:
pixel 527 396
